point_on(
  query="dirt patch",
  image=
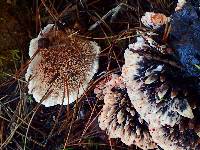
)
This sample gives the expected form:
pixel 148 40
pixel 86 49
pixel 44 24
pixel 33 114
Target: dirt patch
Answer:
pixel 14 36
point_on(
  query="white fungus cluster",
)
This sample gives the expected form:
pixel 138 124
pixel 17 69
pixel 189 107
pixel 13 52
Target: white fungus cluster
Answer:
pixel 161 104
pixel 119 118
pixel 61 66
pixel 160 99
pixel 147 87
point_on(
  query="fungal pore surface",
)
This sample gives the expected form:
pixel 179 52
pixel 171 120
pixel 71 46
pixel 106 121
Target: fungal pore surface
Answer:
pixel 61 67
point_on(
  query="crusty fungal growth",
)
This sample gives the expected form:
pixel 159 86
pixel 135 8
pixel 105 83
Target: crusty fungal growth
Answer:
pixel 154 20
pixel 119 118
pixel 174 138
pixel 149 90
pixel 62 66
pixel 101 86
pixel 158 92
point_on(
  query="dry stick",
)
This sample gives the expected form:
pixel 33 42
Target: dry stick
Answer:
pixel 88 102
pixel 68 109
pixel 102 21
pixel 138 11
pixel 54 10
pixel 109 58
pixel 20 120
pixel 22 126
pixel 112 12
pixel 105 49
pixel 149 56
pixel 20 94
pixel 73 118
pixel 12 134
pixel 34 112
pixel 92 122
pixel 14 99
pixel 89 123
pixel 29 138
pixel 166 32
pixel 125 148
pixel 15 129
pixel 9 138
pixel 98 38
pixel 111 45
pixel 8 109
pixel 116 58
pixel 66 88
pixel 112 71
pixel 82 86
pixel 75 140
pixel 17 144
pixel 24 67
pixel 70 127
pixel 65 145
pixel 111 37
pixel 86 97
pixel 57 118
pixel 21 100
pixel 49 11
pixel 14 77
pixel 73 7
pixel 38 19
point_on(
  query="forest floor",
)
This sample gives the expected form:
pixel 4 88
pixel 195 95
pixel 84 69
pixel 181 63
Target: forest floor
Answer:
pixel 26 125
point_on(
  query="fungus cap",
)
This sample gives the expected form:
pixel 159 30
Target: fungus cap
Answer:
pixel 154 20
pixel 62 66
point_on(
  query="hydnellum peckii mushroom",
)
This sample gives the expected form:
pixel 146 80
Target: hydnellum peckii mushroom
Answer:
pixel 62 65
pixel 119 118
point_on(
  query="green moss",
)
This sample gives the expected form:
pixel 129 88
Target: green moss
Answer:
pixel 8 60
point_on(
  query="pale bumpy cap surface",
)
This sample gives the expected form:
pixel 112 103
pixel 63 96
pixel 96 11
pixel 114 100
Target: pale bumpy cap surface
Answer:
pixel 119 118
pixel 62 66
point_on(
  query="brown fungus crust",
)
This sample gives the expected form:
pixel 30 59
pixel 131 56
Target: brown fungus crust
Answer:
pixel 66 64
